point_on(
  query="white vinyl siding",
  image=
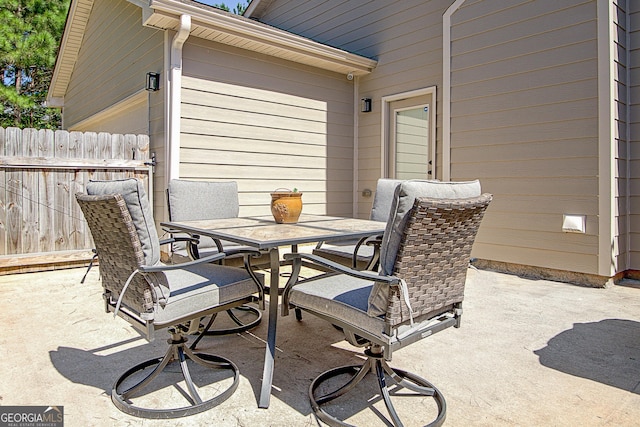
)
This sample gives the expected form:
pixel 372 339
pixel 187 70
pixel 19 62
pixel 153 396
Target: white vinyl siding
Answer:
pixel 267 125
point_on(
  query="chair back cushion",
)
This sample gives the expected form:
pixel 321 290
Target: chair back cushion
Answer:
pixel 403 201
pixel 385 189
pixel 119 248
pixel 434 255
pixel 134 195
pixel 196 200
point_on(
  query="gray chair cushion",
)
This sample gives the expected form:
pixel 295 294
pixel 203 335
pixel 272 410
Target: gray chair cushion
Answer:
pixel 404 198
pixel 344 298
pixel 135 197
pixel 196 200
pixel 343 250
pixel 340 297
pixel 385 189
pixel 196 288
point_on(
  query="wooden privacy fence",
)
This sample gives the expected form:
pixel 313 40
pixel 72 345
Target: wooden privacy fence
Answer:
pixel 40 171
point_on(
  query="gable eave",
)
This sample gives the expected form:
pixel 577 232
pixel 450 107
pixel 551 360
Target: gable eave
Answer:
pixel 76 23
pixel 238 31
pixel 211 24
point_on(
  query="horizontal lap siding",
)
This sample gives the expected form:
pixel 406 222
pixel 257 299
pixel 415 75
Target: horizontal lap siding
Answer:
pixel 406 39
pixel 620 147
pixel 117 52
pixel 634 142
pixel 524 120
pixel 267 124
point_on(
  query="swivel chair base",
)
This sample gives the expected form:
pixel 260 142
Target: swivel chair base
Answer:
pixel 177 354
pixel 255 313
pixel 375 364
pixel 241 327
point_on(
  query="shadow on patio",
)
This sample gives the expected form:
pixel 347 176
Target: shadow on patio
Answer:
pixel 604 351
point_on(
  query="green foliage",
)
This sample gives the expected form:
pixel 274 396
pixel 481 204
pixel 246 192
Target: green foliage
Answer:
pixel 30 32
pixel 238 10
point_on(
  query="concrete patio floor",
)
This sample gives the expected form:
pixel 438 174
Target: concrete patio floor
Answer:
pixel 529 353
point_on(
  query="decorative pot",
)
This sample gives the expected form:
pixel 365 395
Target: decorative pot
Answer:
pixel 286 206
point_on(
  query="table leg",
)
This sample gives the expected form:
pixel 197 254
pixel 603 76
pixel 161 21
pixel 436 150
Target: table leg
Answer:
pixel 270 352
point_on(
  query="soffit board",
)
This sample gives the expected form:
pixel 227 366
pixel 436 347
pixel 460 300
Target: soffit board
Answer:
pixel 77 18
pixel 211 24
pixel 222 27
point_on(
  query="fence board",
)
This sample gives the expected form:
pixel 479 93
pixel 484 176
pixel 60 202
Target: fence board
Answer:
pixel 76 185
pixel 30 189
pixel 40 172
pixel 14 195
pixel 61 195
pixel 46 203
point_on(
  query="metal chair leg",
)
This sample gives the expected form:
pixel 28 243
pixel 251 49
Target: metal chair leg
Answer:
pixel 376 365
pixel 241 327
pixel 179 353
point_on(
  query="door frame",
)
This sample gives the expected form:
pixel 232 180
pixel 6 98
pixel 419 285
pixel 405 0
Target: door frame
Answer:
pixel 386 125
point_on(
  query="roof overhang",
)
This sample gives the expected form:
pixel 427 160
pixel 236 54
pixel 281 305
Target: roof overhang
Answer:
pixel 222 27
pixel 77 18
pixel 211 24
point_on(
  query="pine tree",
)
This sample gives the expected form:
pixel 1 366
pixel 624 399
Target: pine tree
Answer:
pixel 238 10
pixel 30 33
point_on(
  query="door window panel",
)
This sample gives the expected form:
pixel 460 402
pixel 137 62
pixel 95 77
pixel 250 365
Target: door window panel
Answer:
pixel 412 143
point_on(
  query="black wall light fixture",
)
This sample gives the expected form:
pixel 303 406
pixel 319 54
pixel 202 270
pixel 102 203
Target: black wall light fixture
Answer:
pixel 153 82
pixel 365 105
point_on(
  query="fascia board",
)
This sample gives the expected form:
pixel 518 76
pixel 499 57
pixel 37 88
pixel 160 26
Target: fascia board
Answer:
pixel 68 53
pixel 259 32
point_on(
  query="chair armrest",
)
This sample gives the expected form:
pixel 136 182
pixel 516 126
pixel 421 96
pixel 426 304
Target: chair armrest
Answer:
pixel 164 267
pixel 374 241
pixel 244 251
pixel 374 261
pixel 296 262
pixel 361 274
pixel 167 241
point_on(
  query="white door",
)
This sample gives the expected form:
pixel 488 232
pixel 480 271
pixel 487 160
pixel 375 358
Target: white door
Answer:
pixel 411 138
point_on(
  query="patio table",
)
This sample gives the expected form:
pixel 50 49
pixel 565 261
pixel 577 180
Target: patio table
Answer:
pixel 263 233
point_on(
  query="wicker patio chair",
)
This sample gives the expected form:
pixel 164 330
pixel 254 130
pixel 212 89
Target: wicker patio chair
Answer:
pixel 198 200
pixel 418 292
pixel 152 296
pixel 364 253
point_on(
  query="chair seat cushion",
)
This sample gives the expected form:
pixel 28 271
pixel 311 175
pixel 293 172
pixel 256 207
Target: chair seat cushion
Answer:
pixel 340 297
pixel 197 288
pixel 345 298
